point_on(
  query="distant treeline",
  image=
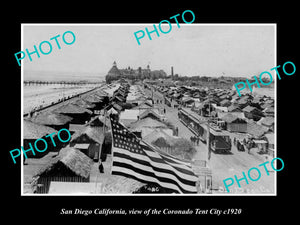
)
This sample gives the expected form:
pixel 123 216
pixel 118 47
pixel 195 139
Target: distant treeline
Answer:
pixel 39 82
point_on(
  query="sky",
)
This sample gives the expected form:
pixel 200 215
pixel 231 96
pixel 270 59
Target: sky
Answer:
pixel 192 49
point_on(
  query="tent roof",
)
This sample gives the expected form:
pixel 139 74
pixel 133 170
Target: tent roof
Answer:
pixel 269 110
pixel 72 158
pixel 255 129
pixel 129 114
pixel 268 121
pixel 224 101
pixel 157 134
pixel 249 108
pixel 93 98
pixel 94 133
pixel 144 105
pixel 230 118
pixel 85 104
pixel 100 92
pixel 72 109
pixel 112 111
pixel 234 108
pixel 35 131
pixel 147 122
pixel 50 118
pixel 146 112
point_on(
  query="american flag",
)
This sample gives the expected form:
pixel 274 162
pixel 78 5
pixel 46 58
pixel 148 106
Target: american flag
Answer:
pixel 135 159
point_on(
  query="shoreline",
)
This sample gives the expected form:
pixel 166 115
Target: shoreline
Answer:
pixel 37 97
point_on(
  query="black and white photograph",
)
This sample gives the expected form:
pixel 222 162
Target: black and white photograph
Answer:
pixel 138 113
pixel 161 117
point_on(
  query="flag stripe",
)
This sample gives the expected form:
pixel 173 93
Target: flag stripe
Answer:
pixel 133 157
pixel 175 161
pixel 158 171
pixel 157 158
pixel 150 176
pixel 162 179
pixel 153 162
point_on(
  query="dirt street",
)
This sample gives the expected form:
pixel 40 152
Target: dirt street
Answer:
pixel 226 165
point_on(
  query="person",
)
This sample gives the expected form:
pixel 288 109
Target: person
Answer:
pixel 192 140
pixel 244 141
pixel 248 145
pixel 242 147
pixel 238 145
pixel 198 139
pixel 234 141
pixel 100 167
pixel 164 110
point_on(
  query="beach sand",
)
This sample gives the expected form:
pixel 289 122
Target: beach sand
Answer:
pixel 35 96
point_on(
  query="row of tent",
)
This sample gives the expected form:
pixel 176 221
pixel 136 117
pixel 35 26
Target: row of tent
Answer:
pixel 68 158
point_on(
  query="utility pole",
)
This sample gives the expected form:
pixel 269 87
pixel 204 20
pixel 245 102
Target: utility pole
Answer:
pixel 208 133
pixel 208 146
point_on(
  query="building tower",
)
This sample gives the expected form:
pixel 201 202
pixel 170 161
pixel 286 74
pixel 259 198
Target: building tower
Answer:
pixel 113 74
pixel 114 71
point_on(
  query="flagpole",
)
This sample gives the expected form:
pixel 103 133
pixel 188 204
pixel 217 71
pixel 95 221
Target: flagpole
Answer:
pixel 103 130
pixel 100 149
pixel 208 143
pixel 112 145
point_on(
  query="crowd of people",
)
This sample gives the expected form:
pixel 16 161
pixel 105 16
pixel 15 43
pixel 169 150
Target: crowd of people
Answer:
pixel 244 144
